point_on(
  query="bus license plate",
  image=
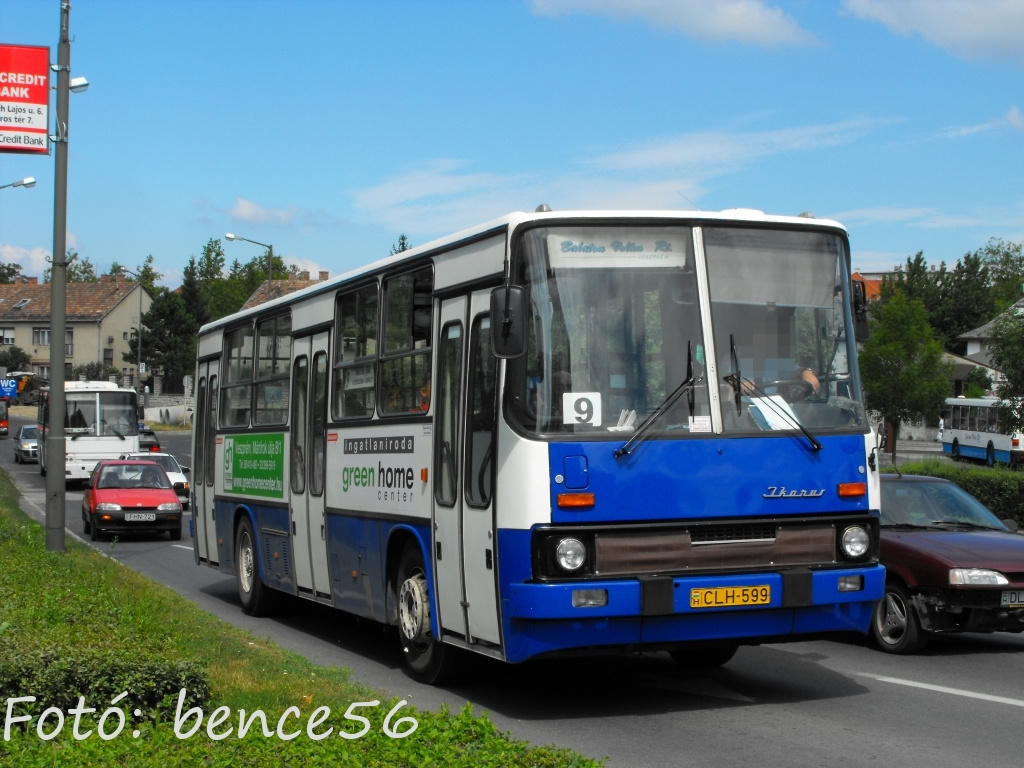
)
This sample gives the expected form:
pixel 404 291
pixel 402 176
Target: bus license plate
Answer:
pixel 1013 597
pixel 724 597
pixel 141 517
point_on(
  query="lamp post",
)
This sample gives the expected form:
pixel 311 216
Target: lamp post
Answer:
pixel 56 445
pixel 138 333
pixel 270 258
pixel 27 182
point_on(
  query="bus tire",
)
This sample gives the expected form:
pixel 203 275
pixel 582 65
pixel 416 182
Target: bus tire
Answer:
pixel 425 657
pixel 256 598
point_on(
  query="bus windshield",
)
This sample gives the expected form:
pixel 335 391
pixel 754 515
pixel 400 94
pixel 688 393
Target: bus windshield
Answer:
pixel 616 325
pixel 103 414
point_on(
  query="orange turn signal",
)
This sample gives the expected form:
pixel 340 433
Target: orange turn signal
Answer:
pixel 575 500
pixel 847 490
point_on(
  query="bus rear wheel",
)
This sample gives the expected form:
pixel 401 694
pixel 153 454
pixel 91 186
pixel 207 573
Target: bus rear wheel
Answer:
pixel 425 657
pixel 256 598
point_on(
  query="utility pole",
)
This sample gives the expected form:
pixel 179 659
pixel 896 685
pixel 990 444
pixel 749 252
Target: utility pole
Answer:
pixel 55 441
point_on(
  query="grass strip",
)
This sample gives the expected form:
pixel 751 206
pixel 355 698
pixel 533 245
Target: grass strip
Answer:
pixel 76 607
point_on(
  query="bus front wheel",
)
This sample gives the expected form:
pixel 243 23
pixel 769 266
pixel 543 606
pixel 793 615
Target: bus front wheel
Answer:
pixel 424 655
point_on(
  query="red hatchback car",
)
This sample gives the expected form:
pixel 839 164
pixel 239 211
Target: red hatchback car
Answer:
pixel 128 497
pixel 951 565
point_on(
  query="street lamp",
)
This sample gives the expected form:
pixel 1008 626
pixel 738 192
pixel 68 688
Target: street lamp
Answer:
pixel 270 258
pixel 27 182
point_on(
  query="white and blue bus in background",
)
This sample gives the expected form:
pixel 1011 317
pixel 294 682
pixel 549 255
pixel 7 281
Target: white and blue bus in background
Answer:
pixel 554 433
pixel 973 430
pixel 100 422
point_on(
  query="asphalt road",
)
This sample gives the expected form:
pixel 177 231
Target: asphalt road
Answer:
pixel 960 703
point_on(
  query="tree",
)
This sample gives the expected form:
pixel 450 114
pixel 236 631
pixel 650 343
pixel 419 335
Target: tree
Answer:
pixel 93 371
pixel 964 302
pixel 77 270
pixel 401 245
pixel 146 274
pixel 1005 262
pixel 977 383
pixel 9 273
pixel 1006 346
pixel 14 359
pixel 901 365
pixel 168 338
pixel 195 295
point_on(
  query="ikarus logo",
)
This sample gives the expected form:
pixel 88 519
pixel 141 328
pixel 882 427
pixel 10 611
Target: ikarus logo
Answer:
pixel 229 463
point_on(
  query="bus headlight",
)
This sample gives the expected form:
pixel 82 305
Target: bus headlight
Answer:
pixel 855 542
pixel 570 554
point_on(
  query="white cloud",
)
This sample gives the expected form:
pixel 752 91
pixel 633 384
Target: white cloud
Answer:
pixel 710 150
pixel 253 213
pixel 750 22
pixel 1015 119
pixel 33 261
pixel 970 29
pixel 671 173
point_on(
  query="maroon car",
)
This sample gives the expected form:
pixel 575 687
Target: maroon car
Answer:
pixel 951 565
pixel 128 497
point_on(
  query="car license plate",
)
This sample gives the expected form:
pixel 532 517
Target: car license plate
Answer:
pixel 1013 597
pixel 140 517
pixel 724 597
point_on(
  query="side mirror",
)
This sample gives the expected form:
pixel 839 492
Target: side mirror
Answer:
pixel 508 321
pixel 185 470
pixel 861 329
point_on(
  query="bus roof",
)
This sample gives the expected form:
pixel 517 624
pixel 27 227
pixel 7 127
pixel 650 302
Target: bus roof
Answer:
pixel 512 220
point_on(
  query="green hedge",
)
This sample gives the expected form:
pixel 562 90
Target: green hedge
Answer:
pixel 59 678
pixel 998 488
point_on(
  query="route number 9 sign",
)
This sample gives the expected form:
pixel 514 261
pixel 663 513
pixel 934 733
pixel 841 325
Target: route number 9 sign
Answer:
pixel 581 408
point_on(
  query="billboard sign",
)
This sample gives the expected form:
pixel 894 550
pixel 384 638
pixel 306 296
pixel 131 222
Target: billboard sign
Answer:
pixel 24 98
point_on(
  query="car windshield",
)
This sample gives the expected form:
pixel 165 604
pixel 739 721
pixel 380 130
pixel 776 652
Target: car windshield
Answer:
pixel 933 504
pixel 133 476
pixel 29 433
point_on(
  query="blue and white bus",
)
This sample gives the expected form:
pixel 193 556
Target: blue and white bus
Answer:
pixel 554 433
pixel 973 430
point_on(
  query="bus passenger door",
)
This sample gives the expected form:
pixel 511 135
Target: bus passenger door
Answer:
pixel 463 523
pixel 204 463
pixel 307 445
pixel 478 535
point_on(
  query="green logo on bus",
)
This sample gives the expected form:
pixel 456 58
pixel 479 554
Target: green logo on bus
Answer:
pixel 254 465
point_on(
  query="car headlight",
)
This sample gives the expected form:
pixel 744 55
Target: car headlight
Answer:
pixel 976 577
pixel 108 506
pixel 169 507
pixel 570 554
pixel 855 541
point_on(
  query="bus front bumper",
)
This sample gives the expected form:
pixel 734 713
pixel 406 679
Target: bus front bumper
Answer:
pixel 551 617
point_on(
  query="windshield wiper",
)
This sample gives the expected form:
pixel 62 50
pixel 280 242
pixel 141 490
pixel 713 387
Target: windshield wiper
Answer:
pixel 965 524
pixel 113 429
pixel 686 385
pixel 735 380
pixel 786 414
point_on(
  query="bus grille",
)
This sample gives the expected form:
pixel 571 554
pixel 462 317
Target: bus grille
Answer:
pixel 704 548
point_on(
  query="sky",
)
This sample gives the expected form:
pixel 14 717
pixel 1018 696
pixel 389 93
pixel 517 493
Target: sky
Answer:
pixel 328 129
